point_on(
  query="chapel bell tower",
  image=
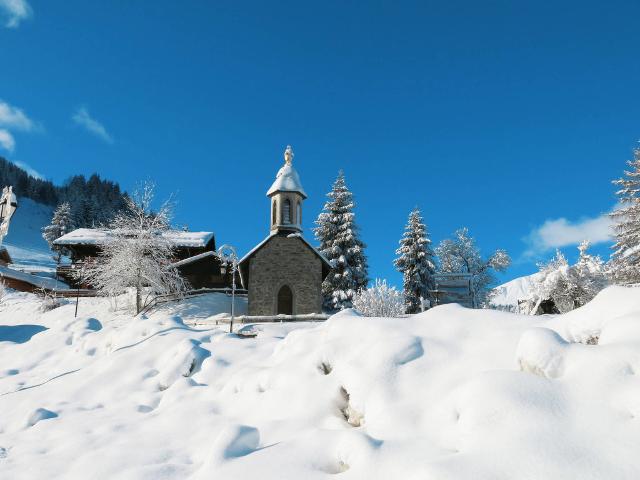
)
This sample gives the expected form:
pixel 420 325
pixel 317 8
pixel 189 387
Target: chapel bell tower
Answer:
pixel 286 195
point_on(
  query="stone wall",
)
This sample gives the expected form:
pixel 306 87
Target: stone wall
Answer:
pixel 285 261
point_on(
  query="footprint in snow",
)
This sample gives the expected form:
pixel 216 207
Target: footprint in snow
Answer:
pixel 39 415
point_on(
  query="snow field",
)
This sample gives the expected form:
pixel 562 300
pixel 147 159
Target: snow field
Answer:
pixel 451 393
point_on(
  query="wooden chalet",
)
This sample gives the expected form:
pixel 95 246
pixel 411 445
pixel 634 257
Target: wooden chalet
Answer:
pixel 194 255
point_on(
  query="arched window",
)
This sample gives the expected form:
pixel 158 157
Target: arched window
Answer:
pixel 286 212
pixel 299 213
pixel 273 213
pixel 285 301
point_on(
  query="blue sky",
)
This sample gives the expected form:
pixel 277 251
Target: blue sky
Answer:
pixel 510 118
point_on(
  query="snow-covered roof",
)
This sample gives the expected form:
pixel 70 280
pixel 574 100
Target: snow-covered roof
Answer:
pixel 195 258
pixel 287 180
pixel 273 234
pixel 99 236
pixel 42 282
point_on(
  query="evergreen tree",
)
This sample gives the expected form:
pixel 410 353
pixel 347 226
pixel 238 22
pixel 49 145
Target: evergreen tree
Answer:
pixel 61 223
pixel 625 261
pixel 340 243
pixel 416 262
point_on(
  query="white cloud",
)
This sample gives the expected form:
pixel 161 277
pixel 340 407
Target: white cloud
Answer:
pixel 560 232
pixel 30 170
pixel 14 118
pixel 6 140
pixel 14 11
pixel 82 118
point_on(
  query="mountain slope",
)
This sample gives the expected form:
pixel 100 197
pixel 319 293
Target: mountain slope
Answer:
pixel 28 250
pixel 508 294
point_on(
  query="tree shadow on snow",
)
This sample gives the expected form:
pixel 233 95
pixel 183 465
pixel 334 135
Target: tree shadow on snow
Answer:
pixel 19 333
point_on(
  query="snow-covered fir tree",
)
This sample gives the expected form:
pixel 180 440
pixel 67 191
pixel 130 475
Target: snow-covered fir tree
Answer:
pixel 340 243
pixel 138 255
pixel 461 255
pixel 380 300
pixel 625 261
pixel 416 262
pixel 61 223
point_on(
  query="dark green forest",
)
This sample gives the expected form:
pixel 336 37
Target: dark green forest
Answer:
pixel 93 201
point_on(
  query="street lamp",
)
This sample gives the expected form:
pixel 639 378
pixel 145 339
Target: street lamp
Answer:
pixel 229 258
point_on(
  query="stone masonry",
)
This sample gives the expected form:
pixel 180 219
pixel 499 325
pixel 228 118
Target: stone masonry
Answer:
pixel 282 261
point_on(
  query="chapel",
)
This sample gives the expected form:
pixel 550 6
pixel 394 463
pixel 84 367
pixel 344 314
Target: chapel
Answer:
pixel 284 273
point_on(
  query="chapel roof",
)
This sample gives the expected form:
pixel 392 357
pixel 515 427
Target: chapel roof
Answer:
pixel 287 178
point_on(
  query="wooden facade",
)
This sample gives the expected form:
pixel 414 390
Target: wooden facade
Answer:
pixel 195 261
pixel 204 271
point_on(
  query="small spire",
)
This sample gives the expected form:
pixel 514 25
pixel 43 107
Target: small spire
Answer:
pixel 288 155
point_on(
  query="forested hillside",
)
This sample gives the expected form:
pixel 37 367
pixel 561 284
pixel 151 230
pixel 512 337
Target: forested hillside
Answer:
pixel 93 201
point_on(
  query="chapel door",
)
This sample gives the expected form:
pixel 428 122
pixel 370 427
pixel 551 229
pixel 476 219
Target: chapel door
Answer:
pixel 285 301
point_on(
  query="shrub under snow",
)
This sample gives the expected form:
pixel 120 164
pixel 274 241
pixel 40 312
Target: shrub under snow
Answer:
pixel 381 300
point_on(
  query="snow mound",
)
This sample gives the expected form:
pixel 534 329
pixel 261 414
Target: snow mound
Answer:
pixel 182 361
pixel 541 351
pixel 451 393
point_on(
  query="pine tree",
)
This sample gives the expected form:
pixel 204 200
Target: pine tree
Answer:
pixel 340 243
pixel 625 261
pixel 61 223
pixel 416 262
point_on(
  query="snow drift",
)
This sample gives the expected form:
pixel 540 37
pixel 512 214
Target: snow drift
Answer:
pixel 451 393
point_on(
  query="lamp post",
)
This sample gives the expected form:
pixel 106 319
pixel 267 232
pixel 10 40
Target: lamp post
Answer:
pixel 228 257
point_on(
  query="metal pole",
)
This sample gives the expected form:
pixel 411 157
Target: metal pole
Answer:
pixel 77 300
pixel 233 293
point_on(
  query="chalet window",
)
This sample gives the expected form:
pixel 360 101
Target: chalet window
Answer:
pixel 286 212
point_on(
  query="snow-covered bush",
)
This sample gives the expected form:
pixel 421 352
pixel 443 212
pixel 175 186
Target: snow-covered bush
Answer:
pixel 49 301
pixel 381 300
pixel 565 287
